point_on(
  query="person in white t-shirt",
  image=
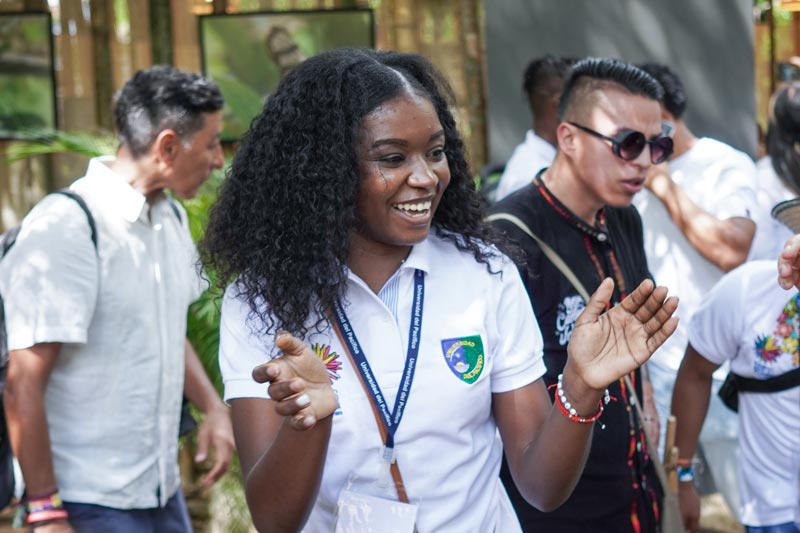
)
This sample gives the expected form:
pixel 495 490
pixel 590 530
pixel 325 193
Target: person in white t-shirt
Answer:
pixel 778 171
pixel 349 226
pixel 543 80
pixel 749 321
pixel 696 212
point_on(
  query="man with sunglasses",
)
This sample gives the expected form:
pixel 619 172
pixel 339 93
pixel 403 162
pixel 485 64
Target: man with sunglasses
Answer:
pixel 609 135
pixel 696 212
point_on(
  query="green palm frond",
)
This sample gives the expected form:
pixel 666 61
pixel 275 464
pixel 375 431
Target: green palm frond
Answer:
pixel 41 142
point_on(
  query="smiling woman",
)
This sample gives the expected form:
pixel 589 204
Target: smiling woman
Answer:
pixel 349 223
pixel 404 173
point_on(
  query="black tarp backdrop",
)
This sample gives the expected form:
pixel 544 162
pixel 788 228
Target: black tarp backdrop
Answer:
pixel 709 43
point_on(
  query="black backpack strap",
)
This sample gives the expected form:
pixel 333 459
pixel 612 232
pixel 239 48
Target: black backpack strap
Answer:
pixel 80 201
pixel 9 238
pixel 785 381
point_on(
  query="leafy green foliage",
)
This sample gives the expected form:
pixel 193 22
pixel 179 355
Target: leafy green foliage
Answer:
pixel 203 319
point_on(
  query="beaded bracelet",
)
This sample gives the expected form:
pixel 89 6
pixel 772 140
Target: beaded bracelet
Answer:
pixel 45 508
pixel 570 412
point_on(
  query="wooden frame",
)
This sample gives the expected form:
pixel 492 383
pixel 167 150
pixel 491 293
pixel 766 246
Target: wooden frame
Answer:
pixel 27 74
pixel 247 53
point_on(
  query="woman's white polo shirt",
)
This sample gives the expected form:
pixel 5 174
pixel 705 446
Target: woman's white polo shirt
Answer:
pixel 479 337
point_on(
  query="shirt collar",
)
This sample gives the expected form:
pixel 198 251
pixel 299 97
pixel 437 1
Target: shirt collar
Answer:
pixel 599 231
pixel 117 193
pixel 540 143
pixel 419 258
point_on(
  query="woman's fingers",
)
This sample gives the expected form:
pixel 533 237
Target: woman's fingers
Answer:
pixel 655 313
pixel 289 344
pixel 273 370
pixel 598 302
pixel 788 263
pixel 281 390
pixel 655 340
pixel 267 372
pixel 652 302
pixel 639 297
pixel 293 405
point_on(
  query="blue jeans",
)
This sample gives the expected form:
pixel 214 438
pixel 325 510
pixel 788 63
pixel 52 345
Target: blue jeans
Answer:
pixel 788 527
pixel 172 518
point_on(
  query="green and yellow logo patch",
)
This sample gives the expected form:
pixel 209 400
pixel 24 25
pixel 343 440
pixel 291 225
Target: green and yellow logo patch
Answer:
pixel 465 357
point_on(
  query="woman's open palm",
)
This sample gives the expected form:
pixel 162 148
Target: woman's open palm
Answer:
pixel 608 345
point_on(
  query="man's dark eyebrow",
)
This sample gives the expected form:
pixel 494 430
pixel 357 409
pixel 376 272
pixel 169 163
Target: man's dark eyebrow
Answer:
pixel 401 142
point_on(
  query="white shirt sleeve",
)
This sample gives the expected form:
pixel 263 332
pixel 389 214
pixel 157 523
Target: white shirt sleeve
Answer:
pixel 715 326
pixel 240 350
pixel 518 345
pixel 49 278
pixel 736 192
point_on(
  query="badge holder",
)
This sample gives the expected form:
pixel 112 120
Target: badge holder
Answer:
pixel 357 512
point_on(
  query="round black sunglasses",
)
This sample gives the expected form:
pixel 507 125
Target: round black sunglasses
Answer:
pixel 629 144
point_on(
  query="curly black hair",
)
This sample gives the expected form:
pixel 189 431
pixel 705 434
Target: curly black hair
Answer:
pixel 280 228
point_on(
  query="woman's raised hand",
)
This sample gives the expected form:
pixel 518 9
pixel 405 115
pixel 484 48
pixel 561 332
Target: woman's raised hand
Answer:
pixel 607 345
pixel 299 383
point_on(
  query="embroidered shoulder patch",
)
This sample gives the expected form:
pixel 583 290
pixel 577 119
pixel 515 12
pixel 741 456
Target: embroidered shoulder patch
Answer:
pixel 465 357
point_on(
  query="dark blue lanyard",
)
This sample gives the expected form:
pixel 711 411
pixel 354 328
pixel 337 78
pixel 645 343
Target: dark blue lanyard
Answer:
pixel 391 420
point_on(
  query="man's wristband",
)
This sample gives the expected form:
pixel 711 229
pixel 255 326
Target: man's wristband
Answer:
pixel 44 509
pixel 685 473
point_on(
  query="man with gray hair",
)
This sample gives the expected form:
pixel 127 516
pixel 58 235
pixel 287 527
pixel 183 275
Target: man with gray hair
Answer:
pixel 96 320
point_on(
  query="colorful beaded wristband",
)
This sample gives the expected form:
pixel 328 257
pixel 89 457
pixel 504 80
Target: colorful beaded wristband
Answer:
pixel 570 412
pixel 45 508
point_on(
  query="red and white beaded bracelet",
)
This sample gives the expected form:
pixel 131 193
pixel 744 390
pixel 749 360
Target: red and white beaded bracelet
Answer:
pixel 570 412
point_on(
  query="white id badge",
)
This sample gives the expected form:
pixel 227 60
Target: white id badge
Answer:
pixel 361 513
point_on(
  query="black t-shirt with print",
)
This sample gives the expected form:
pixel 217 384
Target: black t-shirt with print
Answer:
pixel 616 483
